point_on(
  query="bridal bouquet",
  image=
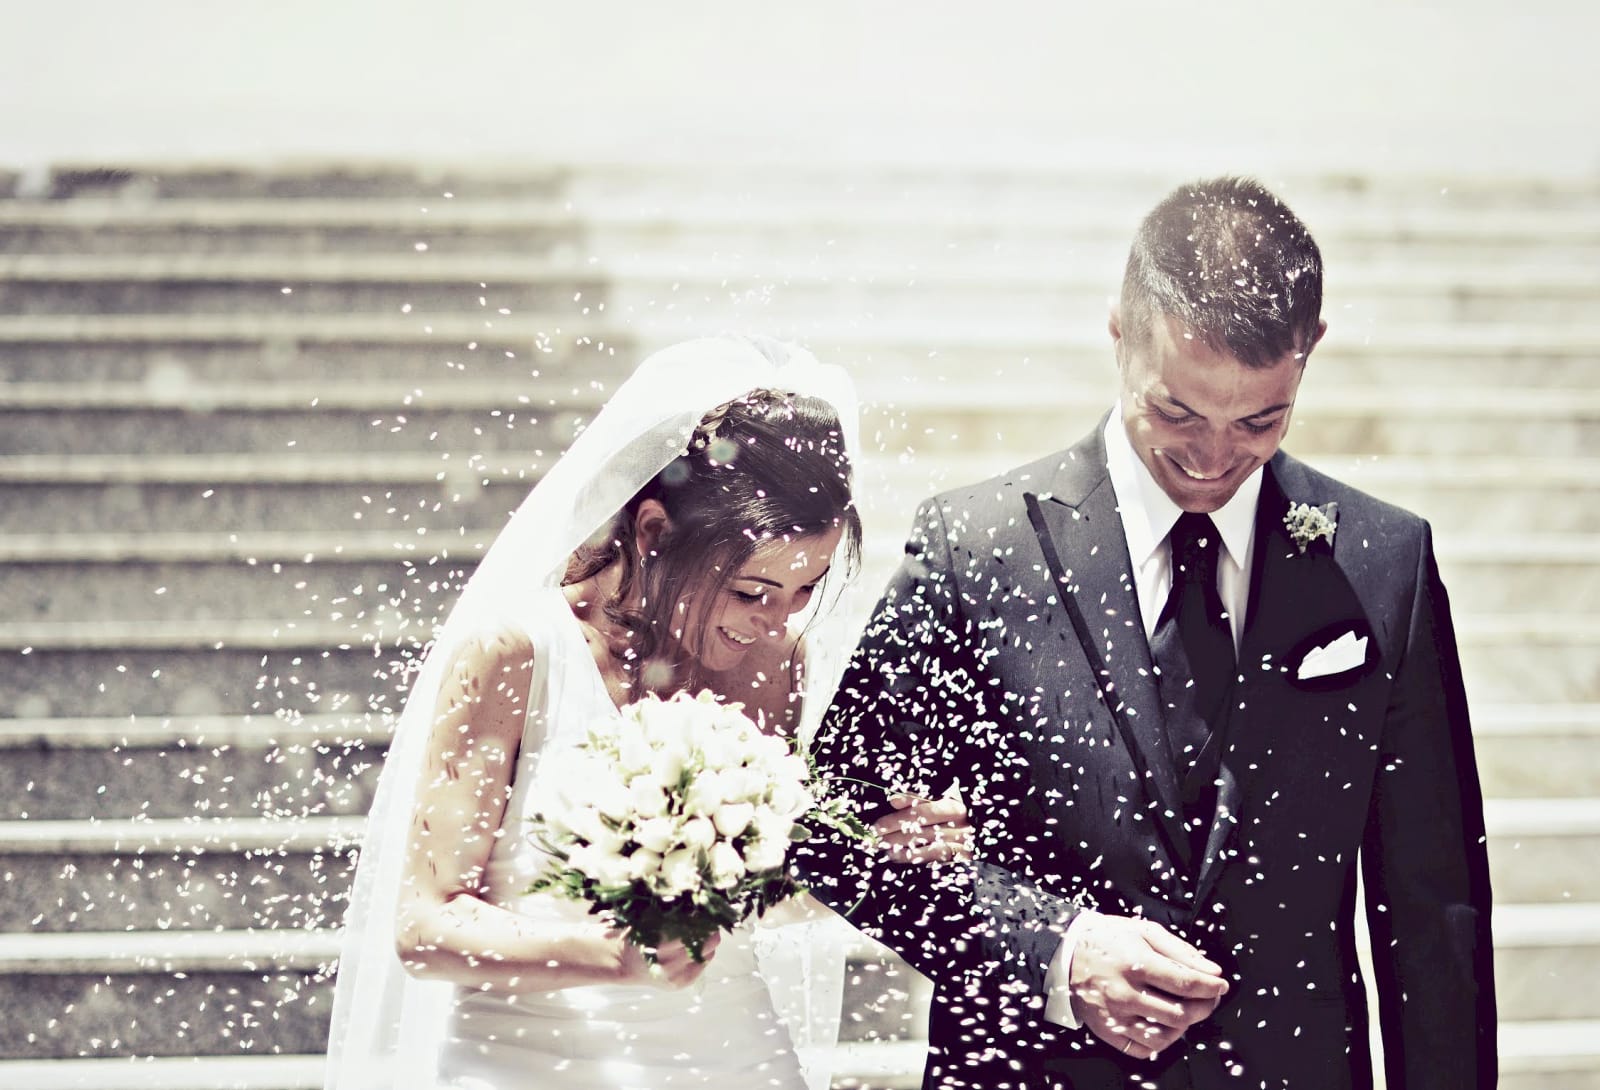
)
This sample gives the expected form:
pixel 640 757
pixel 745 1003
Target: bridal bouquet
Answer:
pixel 678 823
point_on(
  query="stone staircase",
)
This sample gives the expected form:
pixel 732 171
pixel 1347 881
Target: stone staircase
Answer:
pixel 256 424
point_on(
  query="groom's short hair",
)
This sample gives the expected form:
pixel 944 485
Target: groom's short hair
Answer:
pixel 1227 258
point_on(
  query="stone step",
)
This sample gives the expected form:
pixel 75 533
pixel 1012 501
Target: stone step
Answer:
pixel 174 351
pixel 1544 956
pixel 136 183
pixel 847 339
pixel 409 495
pixel 100 994
pixel 266 1072
pixel 1534 750
pixel 229 873
pixel 162 767
pixel 1544 658
pixel 892 288
pixel 92 668
pixel 1544 850
pixel 97 994
pixel 1555 1055
pixel 826 200
pixel 93 994
pixel 962 417
pixel 172 767
pixel 222 668
pixel 405 493
pixel 1461 497
pixel 957 172
pixel 308 427
pixel 211 874
pixel 68 577
pixel 1533 1056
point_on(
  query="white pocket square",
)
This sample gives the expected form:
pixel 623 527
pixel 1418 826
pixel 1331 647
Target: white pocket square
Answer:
pixel 1345 653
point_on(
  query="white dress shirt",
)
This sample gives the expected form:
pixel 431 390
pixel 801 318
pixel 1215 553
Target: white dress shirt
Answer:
pixel 1148 515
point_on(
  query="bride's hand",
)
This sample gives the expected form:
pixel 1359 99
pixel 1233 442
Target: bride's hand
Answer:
pixel 926 830
pixel 673 967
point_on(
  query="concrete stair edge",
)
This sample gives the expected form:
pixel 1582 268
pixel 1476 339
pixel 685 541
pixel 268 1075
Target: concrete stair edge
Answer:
pixel 1525 1047
pixel 502 270
pixel 1505 818
pixel 647 203
pixel 1497 629
pixel 236 731
pixel 101 952
pixel 877 393
pixel 153 836
pixel 423 467
pixel 281 1072
pixel 839 335
pixel 268 731
pixel 268 546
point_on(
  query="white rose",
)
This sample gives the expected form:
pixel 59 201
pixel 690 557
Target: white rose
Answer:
pixel 791 769
pixel 606 868
pixel 770 824
pixel 718 750
pixel 634 753
pixel 705 794
pixel 610 797
pixel 679 873
pixel 726 866
pixel 658 834
pixel 769 750
pixel 644 865
pixel 698 833
pixel 767 853
pixel 733 818
pixel 584 822
pixel 646 799
pixel 744 784
pixel 668 760
pixel 790 799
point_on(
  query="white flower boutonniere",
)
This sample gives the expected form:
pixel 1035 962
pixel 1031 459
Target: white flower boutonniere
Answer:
pixel 1306 523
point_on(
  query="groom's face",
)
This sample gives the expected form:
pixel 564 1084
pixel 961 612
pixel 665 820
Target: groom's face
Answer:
pixel 1200 420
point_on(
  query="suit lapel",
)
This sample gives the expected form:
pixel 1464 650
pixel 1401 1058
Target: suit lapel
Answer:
pixel 1080 533
pixel 1293 594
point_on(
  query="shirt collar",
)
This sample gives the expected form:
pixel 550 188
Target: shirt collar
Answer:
pixel 1148 513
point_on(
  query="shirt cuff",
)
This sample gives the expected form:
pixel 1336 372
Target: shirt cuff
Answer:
pixel 1058 977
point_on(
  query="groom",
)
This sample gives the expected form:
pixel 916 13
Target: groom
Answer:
pixel 1185 683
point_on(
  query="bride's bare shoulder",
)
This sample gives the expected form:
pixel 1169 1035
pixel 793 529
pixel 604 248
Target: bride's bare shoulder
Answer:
pixel 488 654
pixel 486 684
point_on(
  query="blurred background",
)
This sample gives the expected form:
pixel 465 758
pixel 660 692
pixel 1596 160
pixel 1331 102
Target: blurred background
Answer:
pixel 297 300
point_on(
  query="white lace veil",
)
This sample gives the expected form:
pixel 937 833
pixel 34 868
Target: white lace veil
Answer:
pixel 386 1025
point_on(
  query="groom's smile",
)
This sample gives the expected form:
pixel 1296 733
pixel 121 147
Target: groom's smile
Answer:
pixel 1200 420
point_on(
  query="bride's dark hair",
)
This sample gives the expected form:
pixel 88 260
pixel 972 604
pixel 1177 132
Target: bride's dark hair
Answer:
pixel 765 467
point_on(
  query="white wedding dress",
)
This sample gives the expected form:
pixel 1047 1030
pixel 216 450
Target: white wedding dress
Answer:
pixel 391 1031
pixel 720 1033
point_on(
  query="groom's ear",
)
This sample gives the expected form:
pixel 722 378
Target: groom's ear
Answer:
pixel 1114 327
pixel 650 524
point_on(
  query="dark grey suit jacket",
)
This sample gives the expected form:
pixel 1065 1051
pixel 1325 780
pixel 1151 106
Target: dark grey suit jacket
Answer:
pixel 1008 654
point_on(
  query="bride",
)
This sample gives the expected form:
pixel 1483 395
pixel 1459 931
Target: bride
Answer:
pixel 706 506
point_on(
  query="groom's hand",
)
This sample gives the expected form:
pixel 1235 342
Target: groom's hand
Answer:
pixel 1138 986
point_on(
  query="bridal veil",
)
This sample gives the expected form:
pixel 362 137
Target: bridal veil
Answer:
pixel 386 1025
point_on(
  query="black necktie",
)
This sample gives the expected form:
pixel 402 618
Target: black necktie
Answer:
pixel 1193 643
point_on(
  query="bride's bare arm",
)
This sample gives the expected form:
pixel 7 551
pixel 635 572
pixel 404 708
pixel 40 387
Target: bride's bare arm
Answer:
pixel 445 928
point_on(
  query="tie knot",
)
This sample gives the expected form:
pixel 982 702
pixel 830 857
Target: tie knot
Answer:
pixel 1194 544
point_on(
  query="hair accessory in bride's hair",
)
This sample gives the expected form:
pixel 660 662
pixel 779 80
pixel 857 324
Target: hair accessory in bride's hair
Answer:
pixel 721 449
